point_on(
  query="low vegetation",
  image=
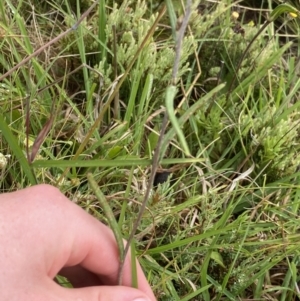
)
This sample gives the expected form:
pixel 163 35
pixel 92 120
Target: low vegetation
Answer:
pixel 221 222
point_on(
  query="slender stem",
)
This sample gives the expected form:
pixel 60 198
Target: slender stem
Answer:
pixel 115 64
pixel 157 153
pixel 155 163
pixel 179 40
pixel 110 218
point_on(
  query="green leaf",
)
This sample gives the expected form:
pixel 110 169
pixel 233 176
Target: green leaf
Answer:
pixel 170 95
pixel 172 16
pixel 216 256
pixel 185 117
pixel 121 161
pixel 114 151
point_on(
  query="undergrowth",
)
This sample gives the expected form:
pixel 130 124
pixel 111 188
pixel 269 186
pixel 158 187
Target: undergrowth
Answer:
pixel 222 223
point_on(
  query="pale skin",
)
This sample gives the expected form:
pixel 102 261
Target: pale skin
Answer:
pixel 42 234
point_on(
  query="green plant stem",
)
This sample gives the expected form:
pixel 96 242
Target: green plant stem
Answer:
pixel 110 218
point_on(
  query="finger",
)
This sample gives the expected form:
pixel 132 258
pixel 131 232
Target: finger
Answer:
pixel 80 277
pixel 67 236
pixel 50 292
pixel 103 293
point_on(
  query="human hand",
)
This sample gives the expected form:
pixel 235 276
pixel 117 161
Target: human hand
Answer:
pixel 43 234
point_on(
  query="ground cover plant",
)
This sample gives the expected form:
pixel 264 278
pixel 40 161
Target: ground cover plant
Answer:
pixel 87 111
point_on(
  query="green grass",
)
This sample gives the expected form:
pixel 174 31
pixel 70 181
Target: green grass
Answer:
pixel 225 225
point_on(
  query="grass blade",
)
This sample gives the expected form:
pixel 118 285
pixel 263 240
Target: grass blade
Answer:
pixel 110 218
pixel 17 151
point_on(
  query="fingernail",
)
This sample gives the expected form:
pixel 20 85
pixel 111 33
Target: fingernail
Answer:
pixel 140 299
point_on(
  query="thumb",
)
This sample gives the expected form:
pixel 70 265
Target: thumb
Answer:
pixel 104 293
